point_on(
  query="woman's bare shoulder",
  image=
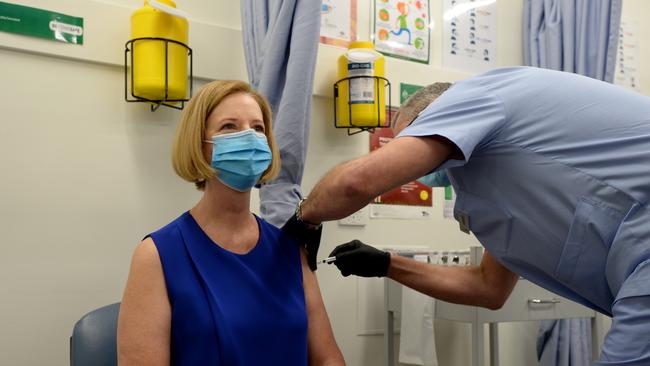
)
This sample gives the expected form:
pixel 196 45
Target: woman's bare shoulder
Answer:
pixel 145 259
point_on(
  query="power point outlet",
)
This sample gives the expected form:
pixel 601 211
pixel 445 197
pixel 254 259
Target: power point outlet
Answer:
pixel 359 218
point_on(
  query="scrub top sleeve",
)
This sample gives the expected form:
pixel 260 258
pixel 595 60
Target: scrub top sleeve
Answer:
pixel 468 114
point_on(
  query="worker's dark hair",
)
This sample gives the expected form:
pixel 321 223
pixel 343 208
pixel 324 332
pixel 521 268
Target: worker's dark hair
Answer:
pixel 420 100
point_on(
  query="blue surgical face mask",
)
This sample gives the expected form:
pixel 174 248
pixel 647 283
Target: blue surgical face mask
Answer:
pixel 240 158
pixel 435 179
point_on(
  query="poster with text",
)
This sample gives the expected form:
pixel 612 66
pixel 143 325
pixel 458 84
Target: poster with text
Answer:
pixel 409 201
pixel 627 56
pixel 401 29
pixel 338 22
pixel 469 35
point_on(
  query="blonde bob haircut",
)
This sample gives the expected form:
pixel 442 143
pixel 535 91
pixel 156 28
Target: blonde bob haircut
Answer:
pixel 187 153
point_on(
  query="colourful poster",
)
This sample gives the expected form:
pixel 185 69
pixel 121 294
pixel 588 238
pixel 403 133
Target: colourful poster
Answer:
pixel 413 194
pixel 469 35
pixel 401 29
pixel 338 22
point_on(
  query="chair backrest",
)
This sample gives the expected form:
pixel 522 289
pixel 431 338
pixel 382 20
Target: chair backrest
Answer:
pixel 94 338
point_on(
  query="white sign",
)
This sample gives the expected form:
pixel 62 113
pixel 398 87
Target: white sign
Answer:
pixel 469 35
pixel 627 56
pixel 400 212
pixel 338 22
pixel 449 203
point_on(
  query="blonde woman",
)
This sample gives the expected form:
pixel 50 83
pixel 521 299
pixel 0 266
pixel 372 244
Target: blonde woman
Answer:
pixel 218 285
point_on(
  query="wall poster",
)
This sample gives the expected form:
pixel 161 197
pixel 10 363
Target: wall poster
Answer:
pixel 401 29
pixel 338 22
pixel 469 35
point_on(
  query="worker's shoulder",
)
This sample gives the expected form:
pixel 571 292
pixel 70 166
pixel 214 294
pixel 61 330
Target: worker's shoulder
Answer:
pixel 498 83
pixel 488 78
pixel 522 71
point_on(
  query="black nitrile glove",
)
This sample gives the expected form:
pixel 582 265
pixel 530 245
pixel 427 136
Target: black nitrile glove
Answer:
pixel 307 235
pixel 360 259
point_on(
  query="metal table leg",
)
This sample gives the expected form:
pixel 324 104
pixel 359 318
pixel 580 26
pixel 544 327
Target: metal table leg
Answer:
pixel 478 351
pixel 388 328
pixel 494 344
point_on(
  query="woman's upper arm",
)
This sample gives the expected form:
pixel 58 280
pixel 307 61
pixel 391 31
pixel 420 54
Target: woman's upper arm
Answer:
pixel 321 344
pixel 145 314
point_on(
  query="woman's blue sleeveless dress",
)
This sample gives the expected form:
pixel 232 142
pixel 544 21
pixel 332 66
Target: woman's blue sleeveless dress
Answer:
pixel 233 309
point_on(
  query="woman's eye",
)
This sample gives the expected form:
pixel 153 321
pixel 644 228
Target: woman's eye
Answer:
pixel 259 129
pixel 228 126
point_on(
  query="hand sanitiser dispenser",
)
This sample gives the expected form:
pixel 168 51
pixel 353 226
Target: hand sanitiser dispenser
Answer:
pixel 159 55
pixel 360 95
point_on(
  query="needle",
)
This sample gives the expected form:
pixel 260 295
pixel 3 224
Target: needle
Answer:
pixel 328 260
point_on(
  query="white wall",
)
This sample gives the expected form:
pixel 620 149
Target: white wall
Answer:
pixel 87 175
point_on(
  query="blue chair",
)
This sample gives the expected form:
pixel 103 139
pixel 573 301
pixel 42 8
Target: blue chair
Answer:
pixel 94 338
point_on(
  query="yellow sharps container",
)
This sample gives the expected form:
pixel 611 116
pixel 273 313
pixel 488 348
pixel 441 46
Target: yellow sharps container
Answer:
pixel 361 101
pixel 149 55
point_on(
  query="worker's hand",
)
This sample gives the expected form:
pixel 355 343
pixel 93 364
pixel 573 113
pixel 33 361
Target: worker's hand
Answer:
pixel 307 235
pixel 360 259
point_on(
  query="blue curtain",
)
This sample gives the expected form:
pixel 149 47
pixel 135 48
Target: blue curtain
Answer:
pixel 564 342
pixel 578 36
pixel 281 44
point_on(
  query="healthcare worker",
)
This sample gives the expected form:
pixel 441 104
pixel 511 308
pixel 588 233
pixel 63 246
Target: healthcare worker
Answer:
pixel 552 174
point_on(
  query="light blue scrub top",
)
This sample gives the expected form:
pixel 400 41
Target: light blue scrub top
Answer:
pixel 555 180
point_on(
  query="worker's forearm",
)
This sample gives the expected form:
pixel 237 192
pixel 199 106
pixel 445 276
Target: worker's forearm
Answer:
pixel 460 285
pixel 335 196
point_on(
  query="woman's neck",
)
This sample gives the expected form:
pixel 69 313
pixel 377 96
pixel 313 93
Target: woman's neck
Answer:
pixel 222 206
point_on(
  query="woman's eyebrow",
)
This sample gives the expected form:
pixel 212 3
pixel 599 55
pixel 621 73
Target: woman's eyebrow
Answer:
pixel 228 119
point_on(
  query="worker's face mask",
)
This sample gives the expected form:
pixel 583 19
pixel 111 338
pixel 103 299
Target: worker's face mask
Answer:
pixel 435 179
pixel 240 158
